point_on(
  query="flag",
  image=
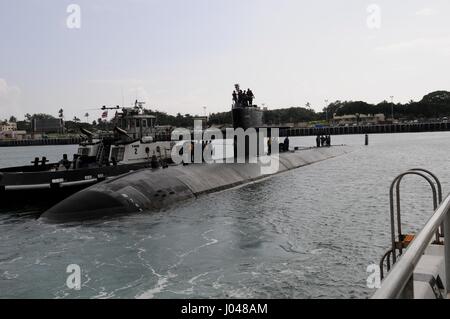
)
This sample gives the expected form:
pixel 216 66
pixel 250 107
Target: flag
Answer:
pixel 105 115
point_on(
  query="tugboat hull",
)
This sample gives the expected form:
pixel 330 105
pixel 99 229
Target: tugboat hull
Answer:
pixel 21 186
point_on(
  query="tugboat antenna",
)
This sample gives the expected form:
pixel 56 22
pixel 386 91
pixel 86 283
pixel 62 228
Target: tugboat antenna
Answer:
pixel 123 99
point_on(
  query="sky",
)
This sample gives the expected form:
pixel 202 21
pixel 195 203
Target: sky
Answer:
pixel 184 55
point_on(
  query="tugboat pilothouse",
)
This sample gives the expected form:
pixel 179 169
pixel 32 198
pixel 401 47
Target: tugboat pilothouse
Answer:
pixel 138 138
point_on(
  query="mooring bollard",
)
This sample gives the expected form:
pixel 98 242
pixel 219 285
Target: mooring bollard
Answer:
pixel 367 139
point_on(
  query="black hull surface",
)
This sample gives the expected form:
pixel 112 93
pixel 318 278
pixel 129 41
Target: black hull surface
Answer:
pixel 154 190
pixel 20 188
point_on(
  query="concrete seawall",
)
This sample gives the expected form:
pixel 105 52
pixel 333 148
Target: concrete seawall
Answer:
pixel 153 190
pixel 367 129
pixel 39 142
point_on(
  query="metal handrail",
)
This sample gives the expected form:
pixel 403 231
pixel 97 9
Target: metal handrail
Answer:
pixel 439 189
pixel 438 183
pixel 396 184
pixel 401 273
pixel 387 257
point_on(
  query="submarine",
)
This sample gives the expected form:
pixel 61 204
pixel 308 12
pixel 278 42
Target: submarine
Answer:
pixel 148 189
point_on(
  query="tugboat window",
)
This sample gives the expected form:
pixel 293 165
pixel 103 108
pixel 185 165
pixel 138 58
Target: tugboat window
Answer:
pixel 83 151
pixel 118 153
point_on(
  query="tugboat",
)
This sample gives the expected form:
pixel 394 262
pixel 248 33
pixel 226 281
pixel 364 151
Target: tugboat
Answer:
pixel 136 143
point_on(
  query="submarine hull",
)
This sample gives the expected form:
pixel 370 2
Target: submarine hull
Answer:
pixel 149 190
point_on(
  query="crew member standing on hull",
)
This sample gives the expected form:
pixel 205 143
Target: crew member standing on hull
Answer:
pixel 286 144
pixel 322 141
pixel 192 145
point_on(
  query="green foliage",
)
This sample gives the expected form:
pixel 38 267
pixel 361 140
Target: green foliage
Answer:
pixel 433 105
pixel 42 116
pixel 73 127
pixel 437 98
pixel 290 115
pixel 222 118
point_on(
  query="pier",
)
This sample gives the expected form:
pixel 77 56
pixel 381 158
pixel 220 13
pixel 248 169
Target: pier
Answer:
pixel 305 131
pixel 44 141
pixel 367 129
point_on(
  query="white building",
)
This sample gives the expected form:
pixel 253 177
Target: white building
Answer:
pixel 9 126
pixel 359 118
pixel 13 135
pixel 8 131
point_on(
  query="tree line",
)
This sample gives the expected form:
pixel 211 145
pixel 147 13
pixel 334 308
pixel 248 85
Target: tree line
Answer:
pixel 433 105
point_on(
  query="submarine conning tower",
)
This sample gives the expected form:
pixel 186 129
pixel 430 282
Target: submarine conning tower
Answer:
pixel 245 114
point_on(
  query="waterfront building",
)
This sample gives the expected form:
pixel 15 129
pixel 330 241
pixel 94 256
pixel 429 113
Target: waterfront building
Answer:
pixel 13 135
pixel 359 119
pixel 8 126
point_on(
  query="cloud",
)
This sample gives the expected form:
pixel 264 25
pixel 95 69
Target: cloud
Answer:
pixel 9 98
pixel 426 12
pixel 440 45
pixel 117 82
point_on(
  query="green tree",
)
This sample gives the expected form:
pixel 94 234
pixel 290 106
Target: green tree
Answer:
pixel 42 116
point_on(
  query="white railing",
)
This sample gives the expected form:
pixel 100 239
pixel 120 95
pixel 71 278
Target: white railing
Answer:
pixel 399 281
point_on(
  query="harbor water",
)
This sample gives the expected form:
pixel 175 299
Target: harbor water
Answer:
pixel 306 233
